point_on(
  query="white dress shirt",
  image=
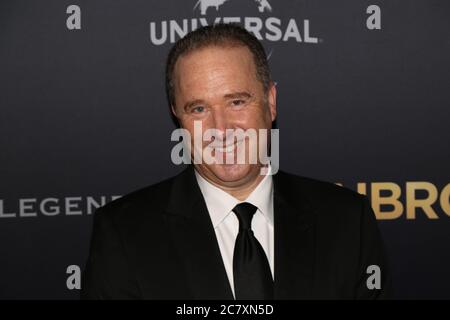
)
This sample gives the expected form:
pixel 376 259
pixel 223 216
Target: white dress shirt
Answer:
pixel 226 225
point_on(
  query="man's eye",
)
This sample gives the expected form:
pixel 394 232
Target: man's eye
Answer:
pixel 198 109
pixel 237 102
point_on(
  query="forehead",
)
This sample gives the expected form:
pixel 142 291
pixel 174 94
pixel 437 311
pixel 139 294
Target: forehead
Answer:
pixel 215 68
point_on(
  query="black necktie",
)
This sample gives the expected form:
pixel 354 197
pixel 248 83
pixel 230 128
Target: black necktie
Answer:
pixel 251 270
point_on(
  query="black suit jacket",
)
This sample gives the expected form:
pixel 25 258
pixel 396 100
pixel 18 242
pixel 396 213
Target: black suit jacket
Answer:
pixel 159 243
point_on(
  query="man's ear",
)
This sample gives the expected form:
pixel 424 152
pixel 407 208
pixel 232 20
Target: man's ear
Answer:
pixel 173 111
pixel 174 116
pixel 272 100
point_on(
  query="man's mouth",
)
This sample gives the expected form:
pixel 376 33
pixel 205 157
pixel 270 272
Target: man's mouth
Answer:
pixel 225 148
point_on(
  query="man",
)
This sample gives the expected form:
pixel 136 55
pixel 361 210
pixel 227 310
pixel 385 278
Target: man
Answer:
pixel 226 231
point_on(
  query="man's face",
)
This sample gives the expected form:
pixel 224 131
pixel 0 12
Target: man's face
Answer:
pixel 218 86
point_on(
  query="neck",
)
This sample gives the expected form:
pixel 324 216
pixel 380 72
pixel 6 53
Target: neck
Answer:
pixel 242 192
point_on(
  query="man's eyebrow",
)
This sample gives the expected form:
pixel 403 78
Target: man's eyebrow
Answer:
pixel 189 104
pixel 233 95
pixel 236 95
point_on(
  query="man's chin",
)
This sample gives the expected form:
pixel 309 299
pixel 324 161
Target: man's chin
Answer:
pixel 231 173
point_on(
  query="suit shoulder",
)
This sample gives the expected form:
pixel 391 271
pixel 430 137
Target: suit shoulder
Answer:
pixel 153 197
pixel 334 206
pixel 320 193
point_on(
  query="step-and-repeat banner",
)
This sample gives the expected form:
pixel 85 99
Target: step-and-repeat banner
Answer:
pixel 363 101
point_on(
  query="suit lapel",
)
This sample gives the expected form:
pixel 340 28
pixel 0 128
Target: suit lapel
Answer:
pixel 194 238
pixel 294 241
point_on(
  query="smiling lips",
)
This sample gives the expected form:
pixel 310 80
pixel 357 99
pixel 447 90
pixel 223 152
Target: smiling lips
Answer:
pixel 225 148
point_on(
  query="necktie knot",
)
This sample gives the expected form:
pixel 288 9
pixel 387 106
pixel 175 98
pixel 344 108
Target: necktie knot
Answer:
pixel 244 212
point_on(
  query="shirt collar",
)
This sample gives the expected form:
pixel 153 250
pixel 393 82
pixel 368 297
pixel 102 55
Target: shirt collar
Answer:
pixel 220 203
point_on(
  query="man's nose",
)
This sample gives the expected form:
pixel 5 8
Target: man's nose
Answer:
pixel 221 121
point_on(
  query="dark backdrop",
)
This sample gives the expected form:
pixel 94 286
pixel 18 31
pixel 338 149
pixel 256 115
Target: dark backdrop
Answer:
pixel 83 118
